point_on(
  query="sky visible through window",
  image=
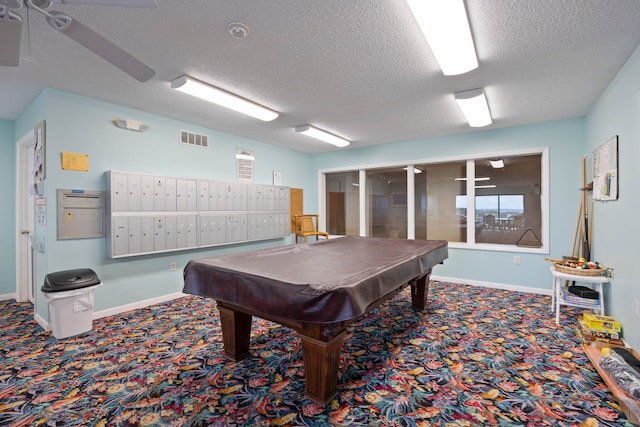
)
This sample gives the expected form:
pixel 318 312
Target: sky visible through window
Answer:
pixel 511 203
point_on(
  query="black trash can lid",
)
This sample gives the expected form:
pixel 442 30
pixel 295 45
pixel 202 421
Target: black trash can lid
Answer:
pixel 69 280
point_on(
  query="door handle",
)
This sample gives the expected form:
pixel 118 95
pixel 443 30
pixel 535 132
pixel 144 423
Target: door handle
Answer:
pixel 23 232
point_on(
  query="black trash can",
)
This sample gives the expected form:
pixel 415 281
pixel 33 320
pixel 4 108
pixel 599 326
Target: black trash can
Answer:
pixel 71 295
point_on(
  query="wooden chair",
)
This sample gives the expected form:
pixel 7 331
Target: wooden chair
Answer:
pixel 307 225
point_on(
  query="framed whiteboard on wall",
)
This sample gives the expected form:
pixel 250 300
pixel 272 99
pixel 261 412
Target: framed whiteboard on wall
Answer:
pixel 605 171
pixel 398 199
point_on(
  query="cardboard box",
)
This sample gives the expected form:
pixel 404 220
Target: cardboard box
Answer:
pixel 587 337
pixel 599 333
pixel 606 323
pixel 628 404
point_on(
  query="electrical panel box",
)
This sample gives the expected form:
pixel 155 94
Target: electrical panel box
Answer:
pixel 80 214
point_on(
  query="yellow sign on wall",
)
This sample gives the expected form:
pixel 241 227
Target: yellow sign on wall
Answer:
pixel 75 162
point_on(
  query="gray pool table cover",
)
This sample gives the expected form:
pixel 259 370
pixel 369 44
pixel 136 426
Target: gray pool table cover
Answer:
pixel 327 281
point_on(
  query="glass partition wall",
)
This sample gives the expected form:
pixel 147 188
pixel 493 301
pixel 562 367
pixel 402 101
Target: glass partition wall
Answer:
pixel 343 203
pixel 441 202
pixel 490 203
pixel 386 208
pixel 508 202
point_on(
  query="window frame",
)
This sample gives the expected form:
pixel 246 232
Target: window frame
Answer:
pixel 470 244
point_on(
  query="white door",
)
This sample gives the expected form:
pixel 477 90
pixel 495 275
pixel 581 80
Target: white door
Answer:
pixel 25 261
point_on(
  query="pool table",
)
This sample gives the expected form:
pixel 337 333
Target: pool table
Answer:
pixel 316 289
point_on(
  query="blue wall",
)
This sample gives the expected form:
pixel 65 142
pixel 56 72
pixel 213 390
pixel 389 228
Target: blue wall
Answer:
pixel 7 209
pixel 615 232
pixel 35 113
pixel 83 125
pixel 565 140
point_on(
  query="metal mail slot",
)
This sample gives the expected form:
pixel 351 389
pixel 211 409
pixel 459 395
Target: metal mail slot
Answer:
pixel 80 214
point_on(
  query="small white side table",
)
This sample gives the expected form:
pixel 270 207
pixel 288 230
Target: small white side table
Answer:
pixel 595 282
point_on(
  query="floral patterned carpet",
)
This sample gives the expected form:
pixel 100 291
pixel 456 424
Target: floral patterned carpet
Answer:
pixel 475 357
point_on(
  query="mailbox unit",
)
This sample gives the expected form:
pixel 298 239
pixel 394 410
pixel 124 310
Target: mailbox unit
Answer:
pixel 156 213
pixel 80 214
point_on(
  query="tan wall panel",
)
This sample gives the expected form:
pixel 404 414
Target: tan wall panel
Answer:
pixel 296 206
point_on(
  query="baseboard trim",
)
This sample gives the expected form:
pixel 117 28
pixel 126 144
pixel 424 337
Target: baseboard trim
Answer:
pixel 43 323
pixel 164 298
pixel 135 305
pixel 119 309
pixel 492 285
pixel 7 296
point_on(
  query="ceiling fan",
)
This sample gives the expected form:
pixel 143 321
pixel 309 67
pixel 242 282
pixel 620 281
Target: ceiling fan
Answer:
pixel 11 32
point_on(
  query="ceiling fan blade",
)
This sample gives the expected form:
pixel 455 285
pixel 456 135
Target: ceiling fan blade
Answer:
pixel 149 4
pixel 11 4
pixel 10 35
pixel 100 46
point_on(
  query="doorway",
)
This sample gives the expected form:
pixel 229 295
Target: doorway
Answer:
pixel 25 225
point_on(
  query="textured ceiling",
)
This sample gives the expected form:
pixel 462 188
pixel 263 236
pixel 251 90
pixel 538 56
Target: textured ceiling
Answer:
pixel 358 68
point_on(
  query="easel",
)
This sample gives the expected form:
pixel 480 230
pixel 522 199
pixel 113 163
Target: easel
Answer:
pixel 584 228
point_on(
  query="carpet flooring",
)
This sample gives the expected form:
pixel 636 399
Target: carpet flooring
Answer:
pixel 474 357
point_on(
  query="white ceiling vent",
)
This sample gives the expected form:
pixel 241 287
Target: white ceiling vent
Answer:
pixel 192 138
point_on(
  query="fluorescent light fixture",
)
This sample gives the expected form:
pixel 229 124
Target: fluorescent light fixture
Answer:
pixel 446 27
pixel 223 98
pixel 415 170
pixel 484 178
pixel 486 186
pixel 322 135
pixel 497 164
pixel 473 104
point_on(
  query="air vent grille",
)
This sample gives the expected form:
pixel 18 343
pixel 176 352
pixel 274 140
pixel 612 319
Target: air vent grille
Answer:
pixel 192 138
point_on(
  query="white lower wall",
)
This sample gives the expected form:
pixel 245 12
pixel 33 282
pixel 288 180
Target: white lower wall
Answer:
pixel 492 285
pixel 158 300
pixel 7 296
pixel 120 309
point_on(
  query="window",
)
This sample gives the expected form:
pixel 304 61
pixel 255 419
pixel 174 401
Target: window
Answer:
pixel 342 204
pixel 440 215
pixel 468 202
pixel 508 205
pixel 386 208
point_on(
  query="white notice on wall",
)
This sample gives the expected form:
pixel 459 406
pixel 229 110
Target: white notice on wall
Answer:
pixel 41 211
pixel 244 165
pixel 277 178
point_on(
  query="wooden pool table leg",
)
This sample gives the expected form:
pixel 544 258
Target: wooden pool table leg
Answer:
pixel 420 291
pixel 236 332
pixel 321 364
